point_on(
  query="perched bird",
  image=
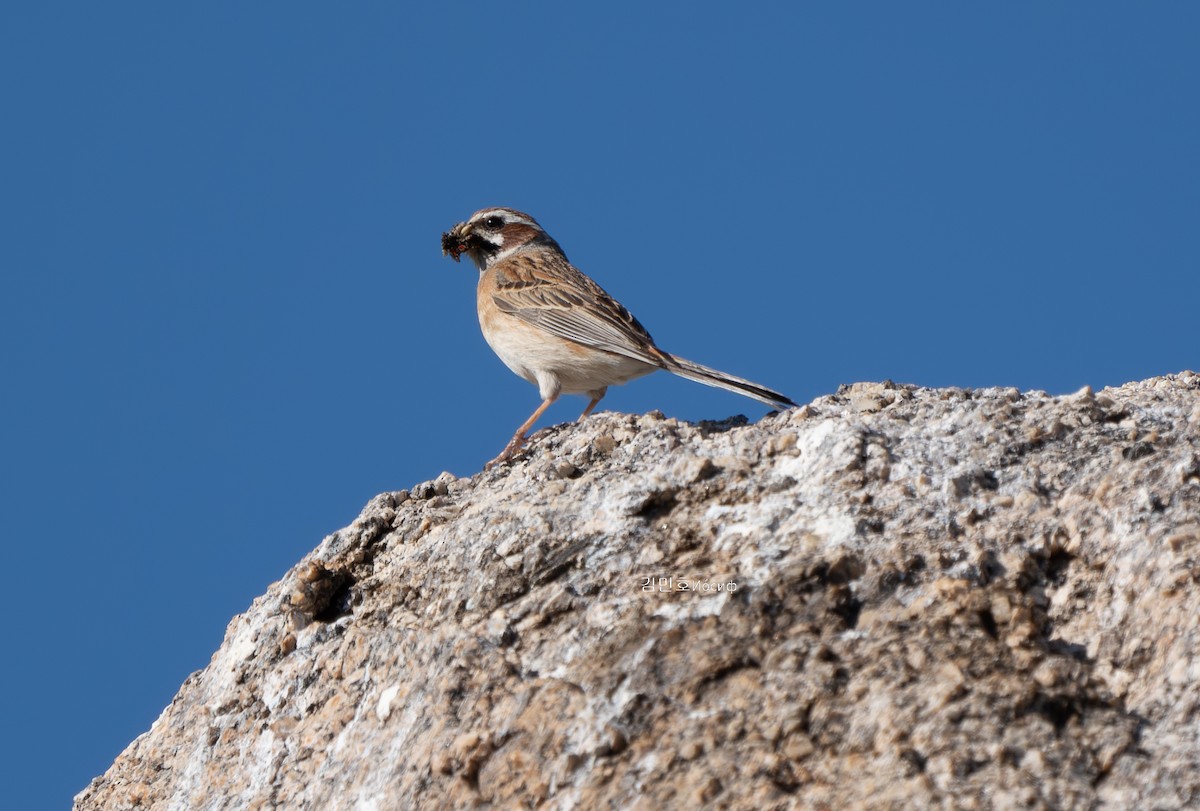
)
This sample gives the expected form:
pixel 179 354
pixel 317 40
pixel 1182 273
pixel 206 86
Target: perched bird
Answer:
pixel 554 326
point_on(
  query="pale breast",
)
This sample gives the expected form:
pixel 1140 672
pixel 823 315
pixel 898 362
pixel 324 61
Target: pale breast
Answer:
pixel 535 354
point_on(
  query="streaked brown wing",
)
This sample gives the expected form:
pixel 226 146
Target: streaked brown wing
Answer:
pixel 556 297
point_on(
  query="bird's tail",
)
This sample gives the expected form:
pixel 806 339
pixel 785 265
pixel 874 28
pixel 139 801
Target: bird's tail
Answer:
pixel 720 380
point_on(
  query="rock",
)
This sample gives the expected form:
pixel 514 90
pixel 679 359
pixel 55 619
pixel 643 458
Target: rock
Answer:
pixel 892 597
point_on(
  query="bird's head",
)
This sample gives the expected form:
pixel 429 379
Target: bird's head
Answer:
pixel 492 234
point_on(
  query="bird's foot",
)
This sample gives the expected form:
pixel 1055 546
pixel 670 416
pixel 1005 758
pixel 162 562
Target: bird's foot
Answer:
pixel 515 444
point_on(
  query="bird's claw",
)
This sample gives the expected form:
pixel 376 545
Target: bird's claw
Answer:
pixel 515 444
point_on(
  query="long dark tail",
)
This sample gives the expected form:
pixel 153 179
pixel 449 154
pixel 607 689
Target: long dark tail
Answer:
pixel 711 377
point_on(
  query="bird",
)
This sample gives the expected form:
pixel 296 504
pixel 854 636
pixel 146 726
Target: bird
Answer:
pixel 555 327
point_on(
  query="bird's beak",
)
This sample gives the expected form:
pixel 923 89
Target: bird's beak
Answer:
pixel 454 241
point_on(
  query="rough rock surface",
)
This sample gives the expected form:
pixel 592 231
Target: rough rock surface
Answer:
pixel 902 598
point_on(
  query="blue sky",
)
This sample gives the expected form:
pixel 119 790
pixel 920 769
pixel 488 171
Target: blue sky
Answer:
pixel 225 322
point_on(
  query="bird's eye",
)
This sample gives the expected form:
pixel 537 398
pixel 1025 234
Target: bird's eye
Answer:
pixel 493 222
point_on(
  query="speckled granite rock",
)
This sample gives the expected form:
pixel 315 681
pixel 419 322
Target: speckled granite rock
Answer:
pixel 898 598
